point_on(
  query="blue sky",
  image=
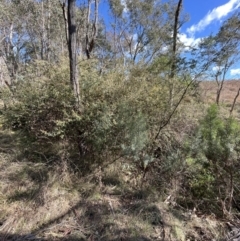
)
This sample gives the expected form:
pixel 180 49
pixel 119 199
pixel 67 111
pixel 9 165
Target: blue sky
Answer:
pixel 206 16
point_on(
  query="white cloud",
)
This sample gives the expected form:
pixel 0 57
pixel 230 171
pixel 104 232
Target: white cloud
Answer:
pixel 165 49
pixel 188 41
pixel 135 37
pixel 235 71
pixel 216 14
pixel 217 68
pixel 124 4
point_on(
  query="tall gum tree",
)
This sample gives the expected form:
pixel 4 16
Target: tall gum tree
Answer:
pixel 220 52
pixel 140 29
pixel 72 50
pixel 174 50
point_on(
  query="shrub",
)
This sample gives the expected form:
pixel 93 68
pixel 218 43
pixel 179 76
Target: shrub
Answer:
pixel 42 110
pixel 122 112
pixel 213 162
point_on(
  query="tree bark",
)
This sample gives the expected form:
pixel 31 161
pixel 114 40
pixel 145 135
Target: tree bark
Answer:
pixel 48 45
pixel 91 42
pixel 175 32
pixel 63 6
pixel 174 51
pixel 72 51
pixel 234 101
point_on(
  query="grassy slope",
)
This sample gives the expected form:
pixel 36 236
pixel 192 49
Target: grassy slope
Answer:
pixel 39 202
pixel 230 89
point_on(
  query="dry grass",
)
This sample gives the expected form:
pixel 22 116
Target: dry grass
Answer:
pixel 229 92
pixel 42 202
pixel 230 89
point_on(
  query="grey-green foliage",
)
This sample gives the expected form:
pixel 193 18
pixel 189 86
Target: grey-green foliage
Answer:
pixel 219 52
pixel 212 165
pixel 117 7
pixel 43 110
pixel 39 105
pixel 220 136
pixel 142 28
pixel 136 133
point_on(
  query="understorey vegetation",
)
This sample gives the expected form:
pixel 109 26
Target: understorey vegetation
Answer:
pixel 99 108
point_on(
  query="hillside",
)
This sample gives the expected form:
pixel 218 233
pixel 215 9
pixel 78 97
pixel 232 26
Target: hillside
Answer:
pixel 44 199
pixel 106 133
pixel 229 91
pixel 47 198
pixel 42 203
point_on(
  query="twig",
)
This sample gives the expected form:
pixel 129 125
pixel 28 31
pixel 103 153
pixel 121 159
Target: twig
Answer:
pixel 174 110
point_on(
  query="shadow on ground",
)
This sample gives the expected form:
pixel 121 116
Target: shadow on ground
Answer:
pixel 94 220
pixel 6 237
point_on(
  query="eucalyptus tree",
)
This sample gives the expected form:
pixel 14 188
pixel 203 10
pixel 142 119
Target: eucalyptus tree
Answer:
pixel 76 29
pixel 30 30
pixel 45 30
pixel 220 52
pixel 12 36
pixel 141 29
pixel 72 49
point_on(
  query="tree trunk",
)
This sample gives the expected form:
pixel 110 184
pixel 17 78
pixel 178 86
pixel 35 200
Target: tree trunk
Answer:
pixel 63 5
pixel 72 51
pixel 174 51
pixel 91 42
pixel 175 32
pixel 48 46
pixel 234 101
